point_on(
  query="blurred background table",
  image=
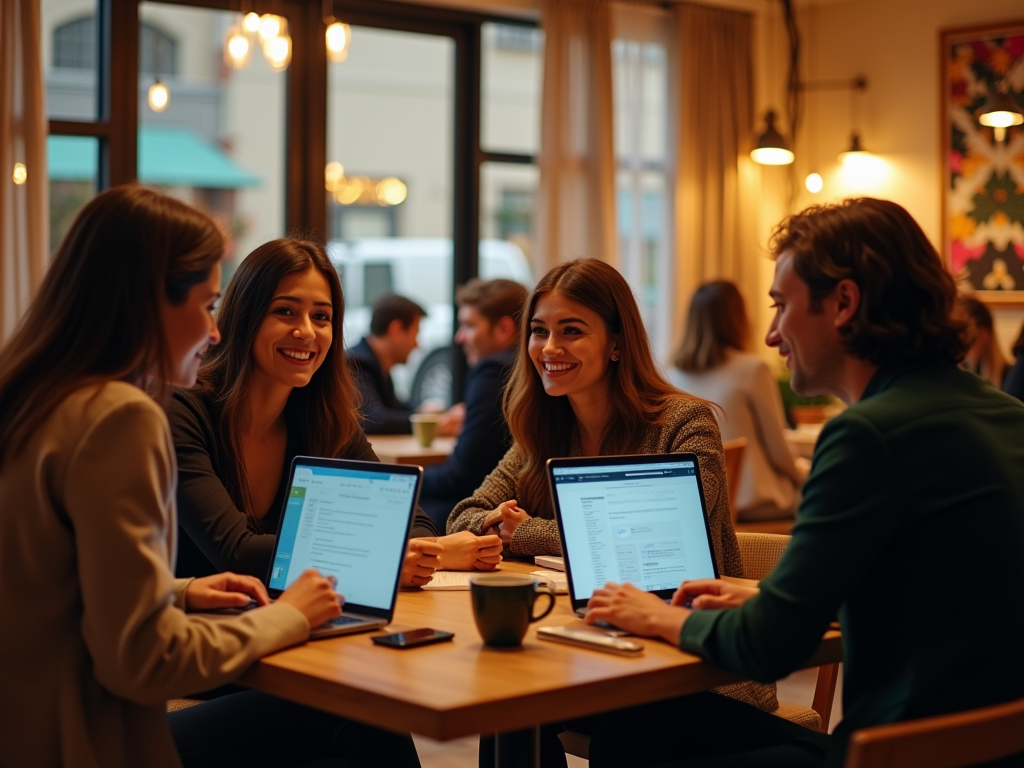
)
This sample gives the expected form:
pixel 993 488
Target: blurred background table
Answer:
pixel 406 449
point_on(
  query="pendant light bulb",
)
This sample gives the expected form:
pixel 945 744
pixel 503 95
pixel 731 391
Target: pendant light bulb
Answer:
pixel 237 48
pixel 278 52
pixel 814 183
pixel 159 97
pixel 772 148
pixel 270 27
pixel 1000 110
pixel 338 38
pixel 251 23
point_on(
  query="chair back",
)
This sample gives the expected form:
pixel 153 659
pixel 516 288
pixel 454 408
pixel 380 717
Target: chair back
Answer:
pixel 945 741
pixel 760 553
pixel 734 450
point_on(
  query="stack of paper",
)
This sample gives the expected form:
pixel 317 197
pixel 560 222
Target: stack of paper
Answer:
pixel 551 562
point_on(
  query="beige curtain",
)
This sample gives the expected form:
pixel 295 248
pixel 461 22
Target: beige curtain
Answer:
pixel 715 214
pixel 576 200
pixel 24 213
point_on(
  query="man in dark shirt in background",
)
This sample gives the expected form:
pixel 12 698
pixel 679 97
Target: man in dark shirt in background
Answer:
pixel 910 529
pixel 489 323
pixel 394 326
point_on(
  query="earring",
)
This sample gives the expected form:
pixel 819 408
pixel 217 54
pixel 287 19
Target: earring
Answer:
pixel 615 357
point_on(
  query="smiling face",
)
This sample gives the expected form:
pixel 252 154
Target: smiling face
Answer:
pixel 296 333
pixel 809 340
pixel 570 347
pixel 189 328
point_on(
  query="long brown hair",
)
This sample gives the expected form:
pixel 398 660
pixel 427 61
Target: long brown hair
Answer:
pixel 541 425
pixel 992 365
pixel 326 408
pixel 96 316
pixel 717 321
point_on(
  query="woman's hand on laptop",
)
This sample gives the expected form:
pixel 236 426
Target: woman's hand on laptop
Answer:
pixel 314 596
pixel 636 611
pixel 465 551
pixel 224 590
pixel 504 519
pixel 712 593
pixel 422 558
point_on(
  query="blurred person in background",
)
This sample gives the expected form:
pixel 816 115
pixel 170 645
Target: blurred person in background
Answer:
pixel 713 363
pixel 984 356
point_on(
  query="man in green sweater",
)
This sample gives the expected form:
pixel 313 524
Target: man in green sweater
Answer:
pixel 911 527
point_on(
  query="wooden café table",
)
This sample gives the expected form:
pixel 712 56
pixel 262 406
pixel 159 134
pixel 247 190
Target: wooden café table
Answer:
pixel 406 449
pixel 460 688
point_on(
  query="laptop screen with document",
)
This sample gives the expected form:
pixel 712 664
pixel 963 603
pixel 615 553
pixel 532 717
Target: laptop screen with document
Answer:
pixel 637 519
pixel 349 520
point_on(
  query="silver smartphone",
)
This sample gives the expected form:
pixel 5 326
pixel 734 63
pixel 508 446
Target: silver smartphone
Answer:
pixel 588 639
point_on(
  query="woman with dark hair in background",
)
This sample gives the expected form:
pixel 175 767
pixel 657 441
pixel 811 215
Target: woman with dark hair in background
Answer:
pixel 97 635
pixel 983 356
pixel 713 363
pixel 585 384
pixel 277 387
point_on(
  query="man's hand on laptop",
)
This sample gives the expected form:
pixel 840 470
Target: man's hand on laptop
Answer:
pixel 224 590
pixel 465 551
pixel 712 593
pixel 314 596
pixel 636 611
pixel 421 560
pixel 504 519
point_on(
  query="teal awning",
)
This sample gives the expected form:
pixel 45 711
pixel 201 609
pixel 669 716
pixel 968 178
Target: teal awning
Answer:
pixel 168 155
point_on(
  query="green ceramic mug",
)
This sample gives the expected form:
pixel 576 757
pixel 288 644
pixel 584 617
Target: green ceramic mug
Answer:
pixel 503 606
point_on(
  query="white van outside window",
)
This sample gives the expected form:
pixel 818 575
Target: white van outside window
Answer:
pixel 420 269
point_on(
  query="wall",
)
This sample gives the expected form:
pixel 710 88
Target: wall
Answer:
pixel 896 45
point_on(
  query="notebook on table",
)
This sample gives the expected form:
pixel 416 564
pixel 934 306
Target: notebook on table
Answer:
pixel 636 519
pixel 350 520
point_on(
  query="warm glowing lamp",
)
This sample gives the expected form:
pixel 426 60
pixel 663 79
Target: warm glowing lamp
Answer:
pixel 391 191
pixel 334 175
pixel 814 183
pixel 20 175
pixel 1000 111
pixel 278 52
pixel 159 97
pixel 270 26
pixel 772 148
pixel 237 48
pixel 251 23
pixel 338 38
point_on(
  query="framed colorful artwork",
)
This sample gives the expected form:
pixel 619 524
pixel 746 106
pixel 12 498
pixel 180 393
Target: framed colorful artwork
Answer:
pixel 983 167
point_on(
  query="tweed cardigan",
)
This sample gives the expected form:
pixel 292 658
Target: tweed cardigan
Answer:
pixel 687 426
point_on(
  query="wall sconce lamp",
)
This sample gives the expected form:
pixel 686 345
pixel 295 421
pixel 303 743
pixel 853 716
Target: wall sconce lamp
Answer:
pixel 772 148
pixel 1000 111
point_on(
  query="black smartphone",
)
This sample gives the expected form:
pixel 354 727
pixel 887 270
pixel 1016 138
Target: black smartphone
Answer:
pixel 413 637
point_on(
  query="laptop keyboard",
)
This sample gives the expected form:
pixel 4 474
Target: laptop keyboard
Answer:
pixel 342 621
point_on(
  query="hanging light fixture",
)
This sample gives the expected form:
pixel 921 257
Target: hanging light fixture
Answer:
pixel 1000 111
pixel 338 37
pixel 158 97
pixel 237 47
pixel 278 51
pixel 814 183
pixel 271 26
pixel 251 23
pixel 772 148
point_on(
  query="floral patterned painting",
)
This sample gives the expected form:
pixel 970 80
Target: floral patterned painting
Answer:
pixel 984 192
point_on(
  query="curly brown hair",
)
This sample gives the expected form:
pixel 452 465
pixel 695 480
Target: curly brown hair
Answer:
pixel 908 297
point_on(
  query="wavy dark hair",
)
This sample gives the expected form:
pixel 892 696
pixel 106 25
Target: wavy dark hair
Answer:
pixel 908 297
pixel 717 321
pixel 326 408
pixel 542 425
pixel 96 316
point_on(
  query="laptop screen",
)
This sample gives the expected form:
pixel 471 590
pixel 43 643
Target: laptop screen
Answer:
pixel 347 523
pixel 632 520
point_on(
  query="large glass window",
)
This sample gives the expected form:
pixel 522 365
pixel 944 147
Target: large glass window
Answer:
pixel 220 140
pixel 389 178
pixel 511 75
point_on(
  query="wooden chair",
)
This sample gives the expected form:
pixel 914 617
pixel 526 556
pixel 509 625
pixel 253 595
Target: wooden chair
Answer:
pixel 945 741
pixel 760 553
pixel 734 451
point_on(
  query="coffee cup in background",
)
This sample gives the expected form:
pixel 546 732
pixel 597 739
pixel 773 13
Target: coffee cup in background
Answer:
pixel 503 606
pixel 424 427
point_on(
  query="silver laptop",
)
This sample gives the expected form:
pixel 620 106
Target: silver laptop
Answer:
pixel 637 519
pixel 351 520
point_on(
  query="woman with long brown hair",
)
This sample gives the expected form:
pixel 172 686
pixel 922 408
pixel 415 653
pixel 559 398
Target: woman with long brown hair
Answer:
pixel 98 633
pixel 277 386
pixel 713 362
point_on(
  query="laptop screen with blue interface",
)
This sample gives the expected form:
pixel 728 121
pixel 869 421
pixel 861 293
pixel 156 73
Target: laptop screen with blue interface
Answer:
pixel 642 522
pixel 346 523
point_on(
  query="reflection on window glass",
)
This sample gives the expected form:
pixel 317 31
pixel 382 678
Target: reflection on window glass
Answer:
pixel 511 68
pixel 69 58
pixel 73 163
pixel 219 142
pixel 508 195
pixel 640 88
pixel 389 183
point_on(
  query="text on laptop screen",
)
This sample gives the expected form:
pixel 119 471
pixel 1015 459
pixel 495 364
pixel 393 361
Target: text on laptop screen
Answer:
pixel 345 523
pixel 639 523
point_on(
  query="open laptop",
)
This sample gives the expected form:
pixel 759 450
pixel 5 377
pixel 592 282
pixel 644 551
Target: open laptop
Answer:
pixel 640 519
pixel 351 520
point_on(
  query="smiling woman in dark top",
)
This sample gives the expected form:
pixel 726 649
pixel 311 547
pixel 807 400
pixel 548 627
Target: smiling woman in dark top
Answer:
pixel 275 388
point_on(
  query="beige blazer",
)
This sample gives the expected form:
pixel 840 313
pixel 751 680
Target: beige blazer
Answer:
pixel 93 639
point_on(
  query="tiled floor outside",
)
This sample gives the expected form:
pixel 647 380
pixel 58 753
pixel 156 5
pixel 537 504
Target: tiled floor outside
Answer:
pixel 462 753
